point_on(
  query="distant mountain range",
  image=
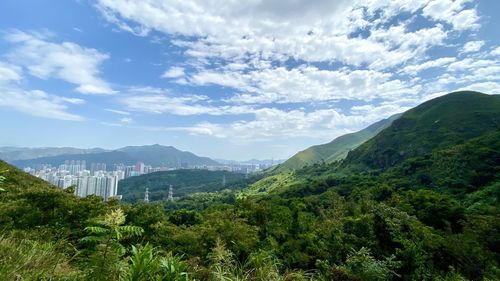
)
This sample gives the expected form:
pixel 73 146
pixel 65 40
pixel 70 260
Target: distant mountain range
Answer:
pixel 154 155
pixel 336 149
pixel 168 156
pixel 10 153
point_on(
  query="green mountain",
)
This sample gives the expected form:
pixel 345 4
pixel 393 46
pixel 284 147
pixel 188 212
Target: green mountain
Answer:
pixel 336 149
pixel 183 181
pixel 24 153
pixel 439 123
pixel 168 156
pixel 448 143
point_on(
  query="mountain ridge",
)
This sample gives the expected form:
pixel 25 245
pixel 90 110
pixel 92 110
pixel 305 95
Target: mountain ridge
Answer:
pixel 336 149
pixel 443 121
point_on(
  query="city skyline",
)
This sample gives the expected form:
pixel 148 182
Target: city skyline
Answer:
pixel 223 83
pixel 101 180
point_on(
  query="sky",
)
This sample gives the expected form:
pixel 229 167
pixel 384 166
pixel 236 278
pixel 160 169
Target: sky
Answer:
pixel 232 79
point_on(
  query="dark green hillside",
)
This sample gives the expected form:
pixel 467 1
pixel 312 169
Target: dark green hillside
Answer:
pixel 334 150
pixel 444 121
pixel 27 202
pixel 460 169
pixel 184 181
pixel 457 169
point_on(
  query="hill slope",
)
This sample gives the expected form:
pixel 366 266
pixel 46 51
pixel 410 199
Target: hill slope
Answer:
pixel 449 143
pixel 336 149
pixel 183 181
pixel 438 123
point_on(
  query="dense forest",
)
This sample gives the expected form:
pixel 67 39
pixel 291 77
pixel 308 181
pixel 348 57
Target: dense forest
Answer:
pixel 419 201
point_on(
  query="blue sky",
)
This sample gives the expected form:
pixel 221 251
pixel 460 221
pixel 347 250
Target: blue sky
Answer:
pixel 232 79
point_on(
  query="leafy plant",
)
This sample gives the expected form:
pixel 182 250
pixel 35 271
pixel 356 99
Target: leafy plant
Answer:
pixel 147 264
pixel 106 235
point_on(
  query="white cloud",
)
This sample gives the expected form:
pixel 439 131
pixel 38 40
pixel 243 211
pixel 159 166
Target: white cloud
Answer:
pixel 32 102
pixel 9 72
pixel 305 83
pixel 272 123
pixel 66 61
pixel 467 74
pixel 158 101
pixel 174 72
pixel 472 46
pixel 37 103
pixel 121 112
pixel 471 64
pixel 72 100
pixel 126 120
pixel 452 12
pixel 491 87
pixel 416 68
pixel 495 51
pixel 307 30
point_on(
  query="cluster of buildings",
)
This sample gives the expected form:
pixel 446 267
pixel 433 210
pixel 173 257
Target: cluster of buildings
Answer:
pixel 94 181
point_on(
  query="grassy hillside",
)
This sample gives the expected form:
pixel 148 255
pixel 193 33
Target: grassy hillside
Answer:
pixel 184 181
pixel 444 121
pixel 334 150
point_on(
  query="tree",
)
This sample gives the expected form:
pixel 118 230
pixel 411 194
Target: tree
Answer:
pixel 106 234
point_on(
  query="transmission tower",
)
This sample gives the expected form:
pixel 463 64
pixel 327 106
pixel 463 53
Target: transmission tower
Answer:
pixel 146 196
pixel 170 193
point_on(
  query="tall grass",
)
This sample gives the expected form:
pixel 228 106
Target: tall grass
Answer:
pixel 22 259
